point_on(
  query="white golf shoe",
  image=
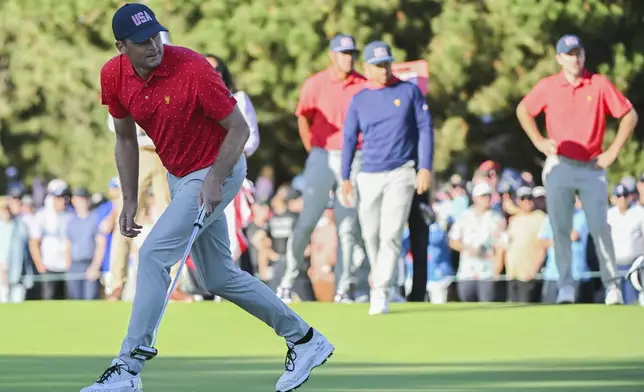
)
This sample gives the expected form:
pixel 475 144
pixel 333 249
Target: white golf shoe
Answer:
pixel 614 296
pixel 379 303
pixel 116 378
pixel 301 359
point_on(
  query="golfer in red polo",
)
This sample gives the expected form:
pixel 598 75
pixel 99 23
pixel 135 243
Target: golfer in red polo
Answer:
pixel 181 102
pixel 576 102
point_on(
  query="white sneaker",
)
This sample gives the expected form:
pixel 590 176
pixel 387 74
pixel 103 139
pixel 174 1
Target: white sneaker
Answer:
pixel 116 378
pixel 566 295
pixel 379 303
pixel 614 297
pixel 301 359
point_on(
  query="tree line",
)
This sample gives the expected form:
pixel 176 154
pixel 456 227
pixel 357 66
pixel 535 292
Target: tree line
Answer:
pixel 484 55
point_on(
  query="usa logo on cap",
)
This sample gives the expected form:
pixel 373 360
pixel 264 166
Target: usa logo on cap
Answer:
pixel 570 41
pixel 141 17
pixel 346 41
pixel 380 52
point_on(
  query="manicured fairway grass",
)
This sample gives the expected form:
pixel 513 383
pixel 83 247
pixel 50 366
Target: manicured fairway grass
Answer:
pixel 203 347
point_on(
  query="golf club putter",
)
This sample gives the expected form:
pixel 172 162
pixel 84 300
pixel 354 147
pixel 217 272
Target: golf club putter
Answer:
pixel 145 353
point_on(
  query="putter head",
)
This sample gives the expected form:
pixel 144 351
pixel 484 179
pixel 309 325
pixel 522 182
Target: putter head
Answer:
pixel 143 353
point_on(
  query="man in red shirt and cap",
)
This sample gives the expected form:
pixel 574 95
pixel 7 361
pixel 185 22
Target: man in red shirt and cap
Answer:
pixel 180 101
pixel 576 102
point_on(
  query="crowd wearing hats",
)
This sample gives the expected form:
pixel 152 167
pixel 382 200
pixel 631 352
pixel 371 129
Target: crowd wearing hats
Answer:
pixel 489 240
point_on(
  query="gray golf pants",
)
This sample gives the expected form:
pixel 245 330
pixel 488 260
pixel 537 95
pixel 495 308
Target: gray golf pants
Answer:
pixel 321 176
pixel 385 202
pixel 563 178
pixel 166 244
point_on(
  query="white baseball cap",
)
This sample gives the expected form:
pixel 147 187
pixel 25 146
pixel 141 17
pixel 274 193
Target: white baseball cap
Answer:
pixel 481 189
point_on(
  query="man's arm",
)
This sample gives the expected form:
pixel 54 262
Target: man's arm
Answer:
pixel 68 254
pixel 35 236
pixel 626 126
pixel 619 107
pixel 232 146
pixel 530 106
pixel 218 104
pixel 350 134
pixel 99 251
pixel 425 131
pixel 127 157
pixel 304 128
pixel 306 107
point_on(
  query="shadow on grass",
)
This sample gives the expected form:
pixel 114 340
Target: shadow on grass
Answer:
pixel 255 374
pixel 53 374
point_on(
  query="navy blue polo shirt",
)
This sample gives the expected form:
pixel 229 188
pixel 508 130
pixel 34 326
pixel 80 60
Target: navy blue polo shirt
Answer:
pixel 396 127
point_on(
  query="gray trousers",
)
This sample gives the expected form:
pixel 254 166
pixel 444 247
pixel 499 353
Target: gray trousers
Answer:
pixel 321 176
pixel 385 201
pixel 563 178
pixel 165 245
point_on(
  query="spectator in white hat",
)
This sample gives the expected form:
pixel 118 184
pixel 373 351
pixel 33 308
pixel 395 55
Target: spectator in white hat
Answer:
pixel 476 234
pixel 626 220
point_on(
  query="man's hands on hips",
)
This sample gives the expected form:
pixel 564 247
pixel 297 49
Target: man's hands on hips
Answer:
pixel 606 158
pixel 211 193
pixel 129 228
pixel 423 181
pixel 547 147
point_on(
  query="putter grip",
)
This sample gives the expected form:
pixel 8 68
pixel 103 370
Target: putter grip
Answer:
pixel 200 217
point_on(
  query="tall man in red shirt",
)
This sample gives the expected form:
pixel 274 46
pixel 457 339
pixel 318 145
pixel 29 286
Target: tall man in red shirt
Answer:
pixel 576 102
pixel 180 101
pixel 321 110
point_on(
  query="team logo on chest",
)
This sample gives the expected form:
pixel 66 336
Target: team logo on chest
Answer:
pixel 397 102
pixel 167 100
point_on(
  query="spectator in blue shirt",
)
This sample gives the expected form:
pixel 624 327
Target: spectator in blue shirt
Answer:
pixel 395 123
pixel 580 270
pixel 85 247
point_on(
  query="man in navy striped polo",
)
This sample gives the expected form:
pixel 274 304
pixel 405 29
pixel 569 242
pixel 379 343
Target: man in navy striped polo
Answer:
pixel 397 152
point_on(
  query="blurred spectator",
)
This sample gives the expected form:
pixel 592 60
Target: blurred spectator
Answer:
pixel 626 220
pixel 260 244
pixel 640 189
pixel 243 102
pixel 107 217
pixel 13 182
pixel 265 184
pixel 539 198
pixel 475 235
pixel 15 267
pixel 579 240
pixel 460 200
pixel 15 201
pixel 280 228
pixel 521 245
pixel 85 249
pixel 38 191
pixel 48 244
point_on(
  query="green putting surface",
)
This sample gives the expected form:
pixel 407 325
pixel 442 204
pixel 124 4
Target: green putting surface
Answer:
pixel 64 346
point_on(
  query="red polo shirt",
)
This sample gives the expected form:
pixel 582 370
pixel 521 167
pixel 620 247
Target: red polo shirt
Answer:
pixel 179 106
pixel 576 115
pixel 324 100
